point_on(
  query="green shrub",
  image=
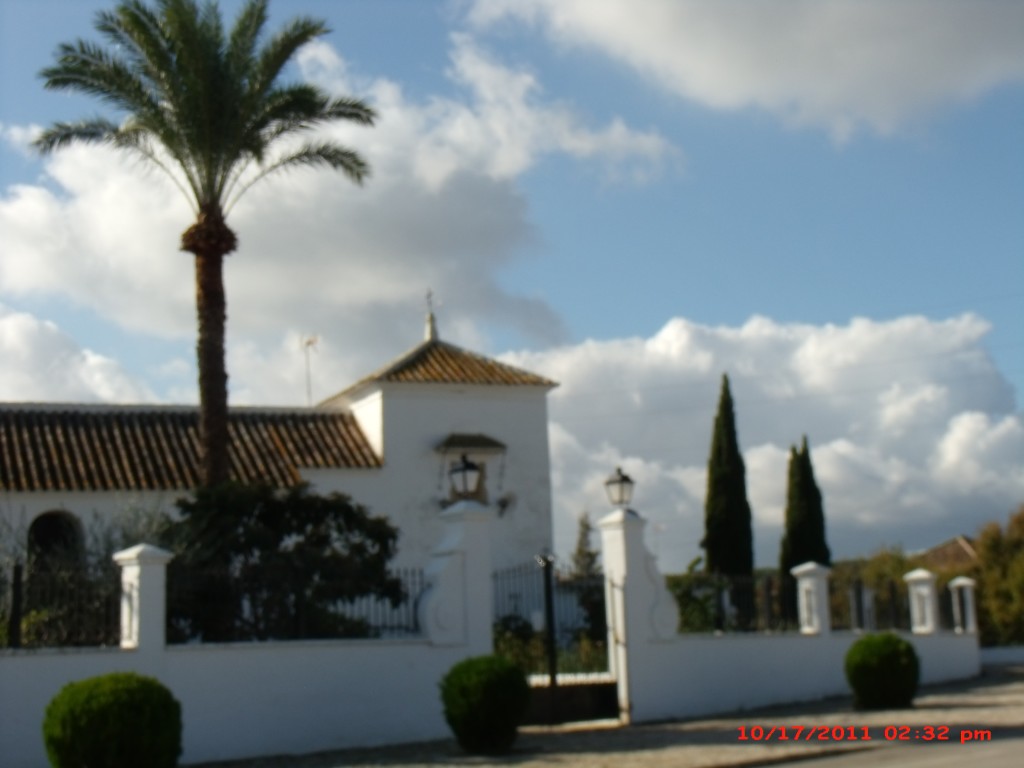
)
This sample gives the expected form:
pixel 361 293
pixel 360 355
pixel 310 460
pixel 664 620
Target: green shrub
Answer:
pixel 882 671
pixel 120 720
pixel 484 700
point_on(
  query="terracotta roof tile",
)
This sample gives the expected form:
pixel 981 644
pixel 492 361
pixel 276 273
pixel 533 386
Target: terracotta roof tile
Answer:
pixel 65 448
pixel 438 362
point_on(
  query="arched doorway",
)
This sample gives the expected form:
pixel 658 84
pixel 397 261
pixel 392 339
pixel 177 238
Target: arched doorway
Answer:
pixel 55 543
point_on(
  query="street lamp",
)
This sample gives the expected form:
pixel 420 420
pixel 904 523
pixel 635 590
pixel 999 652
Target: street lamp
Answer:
pixel 465 477
pixel 619 487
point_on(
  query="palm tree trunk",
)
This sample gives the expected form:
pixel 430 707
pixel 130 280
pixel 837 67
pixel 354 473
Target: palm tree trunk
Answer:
pixel 211 240
pixel 213 375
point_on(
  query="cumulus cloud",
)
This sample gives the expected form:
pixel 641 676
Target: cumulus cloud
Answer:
pixel 20 137
pixel 42 363
pixel 915 434
pixel 317 254
pixel 839 64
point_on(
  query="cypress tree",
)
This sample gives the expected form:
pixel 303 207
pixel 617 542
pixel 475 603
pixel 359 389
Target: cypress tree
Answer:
pixel 804 538
pixel 589 583
pixel 584 558
pixel 728 540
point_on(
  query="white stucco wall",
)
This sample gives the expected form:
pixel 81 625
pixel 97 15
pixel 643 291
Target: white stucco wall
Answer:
pixel 244 700
pixel 1007 654
pixel 412 419
pixel 665 675
pixel 706 674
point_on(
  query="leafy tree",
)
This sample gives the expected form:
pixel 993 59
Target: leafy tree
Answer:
pixel 696 595
pixel 208 109
pixel 1000 576
pixel 728 539
pixel 256 563
pixel 804 537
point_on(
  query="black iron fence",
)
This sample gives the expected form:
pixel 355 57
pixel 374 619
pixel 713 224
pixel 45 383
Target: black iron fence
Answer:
pixel 549 620
pixel 210 605
pixel 48 608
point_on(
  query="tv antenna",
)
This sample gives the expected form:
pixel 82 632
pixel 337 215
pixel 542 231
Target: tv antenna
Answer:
pixel 308 343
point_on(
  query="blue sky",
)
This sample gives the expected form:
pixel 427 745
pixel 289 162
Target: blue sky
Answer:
pixel 821 199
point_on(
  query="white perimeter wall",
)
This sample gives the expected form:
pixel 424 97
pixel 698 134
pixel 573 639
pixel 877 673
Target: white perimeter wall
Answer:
pixel 706 674
pixel 664 675
pixel 1008 654
pixel 253 699
pixel 248 700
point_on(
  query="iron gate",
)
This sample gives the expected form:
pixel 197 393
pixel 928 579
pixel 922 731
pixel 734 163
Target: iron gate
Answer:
pixel 551 622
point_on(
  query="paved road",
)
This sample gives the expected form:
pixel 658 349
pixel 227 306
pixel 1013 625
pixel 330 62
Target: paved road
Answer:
pixel 1003 752
pixel 993 703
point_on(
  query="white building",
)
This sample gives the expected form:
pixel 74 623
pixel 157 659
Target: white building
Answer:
pixel 387 441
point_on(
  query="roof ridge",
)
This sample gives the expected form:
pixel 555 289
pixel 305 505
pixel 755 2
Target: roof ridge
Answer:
pixel 453 365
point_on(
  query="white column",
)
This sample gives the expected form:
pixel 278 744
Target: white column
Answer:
pixel 812 598
pixel 924 601
pixel 458 608
pixel 638 606
pixel 143 596
pixel 968 620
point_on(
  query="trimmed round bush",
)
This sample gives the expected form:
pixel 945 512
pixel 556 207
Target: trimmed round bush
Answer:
pixel 120 720
pixel 882 671
pixel 484 700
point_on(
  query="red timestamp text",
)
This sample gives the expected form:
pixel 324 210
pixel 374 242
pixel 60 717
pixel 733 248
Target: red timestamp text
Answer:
pixel 804 733
pixel 854 733
pixel 857 733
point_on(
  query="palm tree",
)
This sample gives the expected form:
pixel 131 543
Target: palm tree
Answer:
pixel 208 110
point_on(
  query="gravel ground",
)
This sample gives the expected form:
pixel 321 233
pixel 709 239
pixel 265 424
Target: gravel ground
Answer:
pixel 992 703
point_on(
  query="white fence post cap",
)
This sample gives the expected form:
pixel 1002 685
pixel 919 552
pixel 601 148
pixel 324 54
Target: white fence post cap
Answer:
pixel 918 575
pixel 810 569
pixel 143 554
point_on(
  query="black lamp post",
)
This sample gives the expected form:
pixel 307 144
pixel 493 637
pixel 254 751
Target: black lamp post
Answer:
pixel 465 476
pixel 619 487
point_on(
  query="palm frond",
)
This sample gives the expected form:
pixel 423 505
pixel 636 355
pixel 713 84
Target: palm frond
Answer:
pixel 90 69
pixel 139 140
pixel 350 109
pixel 322 154
pixel 281 48
pixel 59 135
pixel 211 100
pixel 244 37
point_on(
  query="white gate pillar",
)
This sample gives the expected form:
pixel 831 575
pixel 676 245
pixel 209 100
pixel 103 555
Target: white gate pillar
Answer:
pixel 638 606
pixel 458 607
pixel 143 596
pixel 965 615
pixel 924 601
pixel 812 598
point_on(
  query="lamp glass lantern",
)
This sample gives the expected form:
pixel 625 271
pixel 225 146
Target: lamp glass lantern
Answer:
pixel 619 487
pixel 465 476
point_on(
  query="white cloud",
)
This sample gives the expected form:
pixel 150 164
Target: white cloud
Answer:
pixel 20 137
pixel 42 363
pixel 840 64
pixel 500 130
pixel 317 254
pixel 914 433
